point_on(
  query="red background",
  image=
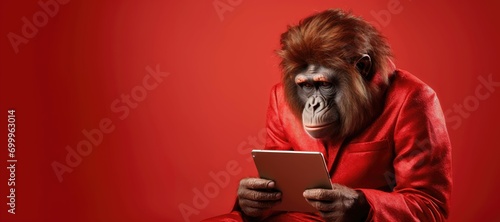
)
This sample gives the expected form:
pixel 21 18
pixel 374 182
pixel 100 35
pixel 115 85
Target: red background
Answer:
pixel 209 111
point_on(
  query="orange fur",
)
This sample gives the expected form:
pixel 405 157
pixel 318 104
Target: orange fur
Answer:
pixel 336 39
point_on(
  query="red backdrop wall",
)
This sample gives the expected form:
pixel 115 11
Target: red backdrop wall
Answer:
pixel 147 110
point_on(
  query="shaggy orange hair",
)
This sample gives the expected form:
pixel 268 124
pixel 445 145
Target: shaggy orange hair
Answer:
pixel 336 39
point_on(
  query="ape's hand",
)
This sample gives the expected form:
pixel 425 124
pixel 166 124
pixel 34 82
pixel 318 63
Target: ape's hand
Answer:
pixel 338 204
pixel 256 195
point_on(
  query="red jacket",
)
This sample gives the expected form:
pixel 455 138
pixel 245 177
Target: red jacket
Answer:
pixel 401 162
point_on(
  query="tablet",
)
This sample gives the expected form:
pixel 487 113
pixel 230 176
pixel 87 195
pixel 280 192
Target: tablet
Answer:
pixel 293 172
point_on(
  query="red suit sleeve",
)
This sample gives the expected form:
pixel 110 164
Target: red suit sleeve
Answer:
pixel 422 165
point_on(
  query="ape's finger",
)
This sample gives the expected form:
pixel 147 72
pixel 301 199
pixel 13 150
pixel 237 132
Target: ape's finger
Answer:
pixel 259 195
pixel 320 195
pixel 257 183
